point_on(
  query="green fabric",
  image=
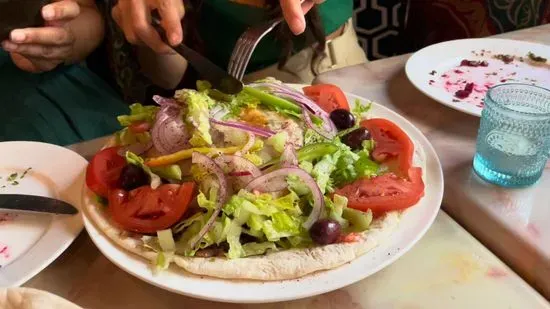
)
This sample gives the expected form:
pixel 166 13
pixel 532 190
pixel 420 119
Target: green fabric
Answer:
pixel 223 21
pixel 64 106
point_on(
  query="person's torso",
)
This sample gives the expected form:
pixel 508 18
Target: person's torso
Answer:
pixel 223 21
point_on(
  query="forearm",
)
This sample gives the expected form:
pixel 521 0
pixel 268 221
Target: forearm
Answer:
pixel 165 70
pixel 88 29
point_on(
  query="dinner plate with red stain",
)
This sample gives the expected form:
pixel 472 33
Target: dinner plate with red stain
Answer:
pixel 30 242
pixel 459 73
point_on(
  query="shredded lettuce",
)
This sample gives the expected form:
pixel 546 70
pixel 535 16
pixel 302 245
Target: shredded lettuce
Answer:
pixel 126 137
pixel 163 261
pixel 172 171
pixel 166 240
pixel 322 171
pixel 254 248
pixel 136 160
pixel 360 109
pixel 278 141
pixel 359 221
pixel 312 137
pixel 138 112
pixel 198 104
pixel 335 209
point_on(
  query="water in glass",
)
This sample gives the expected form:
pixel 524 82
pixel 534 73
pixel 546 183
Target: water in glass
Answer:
pixel 513 142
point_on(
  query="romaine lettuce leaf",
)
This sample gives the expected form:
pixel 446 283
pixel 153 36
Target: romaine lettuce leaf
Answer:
pixel 138 112
pixel 198 104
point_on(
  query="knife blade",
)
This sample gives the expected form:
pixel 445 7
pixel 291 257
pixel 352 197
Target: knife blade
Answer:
pixel 219 78
pixel 33 203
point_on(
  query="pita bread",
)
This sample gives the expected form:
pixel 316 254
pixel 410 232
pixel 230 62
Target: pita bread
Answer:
pixel 281 265
pixel 26 298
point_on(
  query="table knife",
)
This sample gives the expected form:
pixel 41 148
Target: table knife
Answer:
pixel 36 204
pixel 219 78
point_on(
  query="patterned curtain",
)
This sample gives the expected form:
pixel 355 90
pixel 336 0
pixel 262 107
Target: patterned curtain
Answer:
pixel 390 27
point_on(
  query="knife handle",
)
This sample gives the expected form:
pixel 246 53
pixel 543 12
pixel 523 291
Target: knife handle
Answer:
pixel 155 22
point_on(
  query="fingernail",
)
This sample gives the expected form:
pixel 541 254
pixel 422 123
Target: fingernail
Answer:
pixel 174 39
pixel 17 36
pixel 48 13
pixel 8 46
pixel 298 25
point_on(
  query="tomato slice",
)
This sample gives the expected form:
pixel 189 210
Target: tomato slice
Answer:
pixel 392 145
pixel 146 210
pixel 385 193
pixel 328 97
pixel 103 171
pixel 139 127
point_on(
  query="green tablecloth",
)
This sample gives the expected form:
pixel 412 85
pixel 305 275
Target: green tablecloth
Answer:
pixel 64 106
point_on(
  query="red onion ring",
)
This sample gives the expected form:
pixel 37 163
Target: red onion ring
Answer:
pixel 273 182
pixel 169 133
pixel 211 166
pixel 239 167
pixel 285 91
pixel 311 125
pixel 162 101
pixel 249 144
pixel 288 157
pixel 244 127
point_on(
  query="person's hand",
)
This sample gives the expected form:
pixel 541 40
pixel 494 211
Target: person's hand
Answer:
pixel 134 18
pixel 44 48
pixel 294 11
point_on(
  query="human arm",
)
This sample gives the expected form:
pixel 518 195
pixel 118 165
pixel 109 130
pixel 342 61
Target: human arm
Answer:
pixel 72 30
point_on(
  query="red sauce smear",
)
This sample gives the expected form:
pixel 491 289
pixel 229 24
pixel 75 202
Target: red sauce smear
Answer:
pixel 464 93
pixel 4 251
pixel 494 272
pixel 473 63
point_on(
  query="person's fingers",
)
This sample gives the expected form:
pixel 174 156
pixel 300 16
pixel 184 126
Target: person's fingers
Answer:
pixel 124 23
pixel 307 6
pixel 31 64
pixel 43 35
pixel 39 51
pixel 61 10
pixel 171 13
pixel 143 29
pixel 294 15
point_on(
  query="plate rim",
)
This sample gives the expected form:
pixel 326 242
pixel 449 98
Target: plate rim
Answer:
pixel 418 55
pixel 75 223
pixel 104 244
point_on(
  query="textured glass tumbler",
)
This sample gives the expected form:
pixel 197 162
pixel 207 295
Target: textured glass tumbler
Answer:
pixel 513 142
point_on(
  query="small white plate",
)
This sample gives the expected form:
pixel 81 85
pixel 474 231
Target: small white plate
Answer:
pixel 426 69
pixel 28 242
pixel 414 224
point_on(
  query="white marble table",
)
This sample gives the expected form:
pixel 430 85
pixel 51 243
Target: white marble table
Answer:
pixel 448 268
pixel 514 224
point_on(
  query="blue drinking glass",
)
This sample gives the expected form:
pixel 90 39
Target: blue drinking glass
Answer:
pixel 513 142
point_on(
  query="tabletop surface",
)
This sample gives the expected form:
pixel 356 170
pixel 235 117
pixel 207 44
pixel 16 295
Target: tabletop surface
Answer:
pixel 448 268
pixel 513 223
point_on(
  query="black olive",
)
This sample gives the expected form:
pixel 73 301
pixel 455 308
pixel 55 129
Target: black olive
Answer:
pixel 355 138
pixel 326 231
pixel 132 177
pixel 342 119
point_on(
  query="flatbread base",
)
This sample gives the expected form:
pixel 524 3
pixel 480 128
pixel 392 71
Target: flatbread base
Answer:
pixel 281 265
pixel 26 298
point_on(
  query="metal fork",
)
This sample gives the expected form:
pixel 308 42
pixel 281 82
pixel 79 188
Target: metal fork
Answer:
pixel 242 52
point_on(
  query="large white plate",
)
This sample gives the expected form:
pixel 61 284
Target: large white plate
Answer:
pixel 28 242
pixel 445 56
pixel 414 224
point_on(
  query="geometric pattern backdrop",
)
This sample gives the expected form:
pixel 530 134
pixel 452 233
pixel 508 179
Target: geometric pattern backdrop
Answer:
pixel 379 25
